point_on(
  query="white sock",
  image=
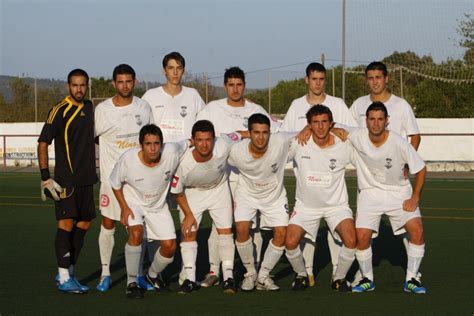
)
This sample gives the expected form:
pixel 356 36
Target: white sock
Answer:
pixel 295 257
pixel 159 264
pixel 415 256
pixel 132 261
pixel 270 259
pixel 245 250
pixel 258 242
pixel 189 251
pixel 106 246
pixel 334 249
pixel 63 275
pixel 364 257
pixel 346 258
pixel 227 254
pixel 213 248
pixel 309 248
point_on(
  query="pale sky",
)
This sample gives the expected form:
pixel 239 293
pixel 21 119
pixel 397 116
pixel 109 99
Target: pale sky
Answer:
pixel 47 38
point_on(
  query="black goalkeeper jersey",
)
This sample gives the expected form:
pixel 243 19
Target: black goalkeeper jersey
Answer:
pixel 72 129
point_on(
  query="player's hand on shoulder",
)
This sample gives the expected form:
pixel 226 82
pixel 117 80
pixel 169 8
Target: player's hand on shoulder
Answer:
pixel 304 135
pixel 340 132
pixel 51 189
pixel 410 205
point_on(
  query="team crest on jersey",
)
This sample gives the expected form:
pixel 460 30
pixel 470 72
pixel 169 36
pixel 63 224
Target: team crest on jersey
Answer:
pixel 175 181
pixel 167 176
pixel 138 120
pixel 246 122
pixel 274 167
pixel 388 163
pixel 183 112
pixel 332 164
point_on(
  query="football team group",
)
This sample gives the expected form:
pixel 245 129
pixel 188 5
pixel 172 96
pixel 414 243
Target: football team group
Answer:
pixel 169 149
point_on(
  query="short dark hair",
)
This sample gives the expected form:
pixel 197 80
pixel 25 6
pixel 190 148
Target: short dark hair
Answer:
pixel 234 72
pixel 377 106
pixel 377 65
pixel 203 126
pixel 318 109
pixel 77 73
pixel 150 129
pixel 176 56
pixel 123 69
pixel 315 67
pixel 258 118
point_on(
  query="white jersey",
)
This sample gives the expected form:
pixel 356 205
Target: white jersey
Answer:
pixel 144 186
pixel 228 119
pixel 195 176
pixel 383 167
pixel 118 128
pixel 174 115
pixel 320 173
pixel 295 119
pixel 261 180
pixel 401 118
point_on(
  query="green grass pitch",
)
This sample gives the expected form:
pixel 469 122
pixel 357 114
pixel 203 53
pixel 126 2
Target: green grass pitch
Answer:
pixel 27 265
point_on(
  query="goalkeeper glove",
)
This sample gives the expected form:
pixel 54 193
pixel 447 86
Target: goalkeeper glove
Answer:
pixel 50 188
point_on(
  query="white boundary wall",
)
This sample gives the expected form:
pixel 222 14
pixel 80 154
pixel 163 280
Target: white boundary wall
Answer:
pixel 446 144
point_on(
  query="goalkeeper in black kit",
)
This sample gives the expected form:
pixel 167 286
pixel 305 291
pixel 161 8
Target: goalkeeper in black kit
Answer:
pixel 70 123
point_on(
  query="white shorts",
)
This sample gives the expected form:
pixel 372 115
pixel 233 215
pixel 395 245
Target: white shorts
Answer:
pixel 159 223
pixel 373 203
pixel 274 215
pixel 217 201
pixel 109 207
pixel 310 218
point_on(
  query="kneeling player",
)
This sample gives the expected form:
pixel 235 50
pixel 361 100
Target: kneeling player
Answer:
pixel 140 180
pixel 321 193
pixel 200 184
pixel 383 189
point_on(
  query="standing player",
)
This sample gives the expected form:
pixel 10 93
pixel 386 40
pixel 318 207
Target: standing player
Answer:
pixel 200 184
pixel 174 106
pixel 140 181
pixel 384 189
pixel 401 119
pixel 117 123
pixel 70 124
pixel 321 193
pixel 228 115
pixel 295 120
pixel 261 162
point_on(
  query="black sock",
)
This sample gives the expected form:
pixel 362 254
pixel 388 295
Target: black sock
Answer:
pixel 77 241
pixel 63 248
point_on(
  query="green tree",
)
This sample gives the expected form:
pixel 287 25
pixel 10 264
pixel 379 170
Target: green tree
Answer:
pixel 22 106
pixel 466 31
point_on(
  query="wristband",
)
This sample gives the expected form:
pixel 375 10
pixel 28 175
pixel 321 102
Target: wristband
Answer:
pixel 45 174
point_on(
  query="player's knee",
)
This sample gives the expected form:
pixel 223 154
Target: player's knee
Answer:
pixel 279 236
pixel 350 241
pixel 243 232
pixel 108 223
pixel 291 242
pixel 85 225
pixel 417 235
pixel 168 248
pixel 363 240
pixel 135 235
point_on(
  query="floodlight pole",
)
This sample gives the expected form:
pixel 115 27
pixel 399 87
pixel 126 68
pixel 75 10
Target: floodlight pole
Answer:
pixel 36 102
